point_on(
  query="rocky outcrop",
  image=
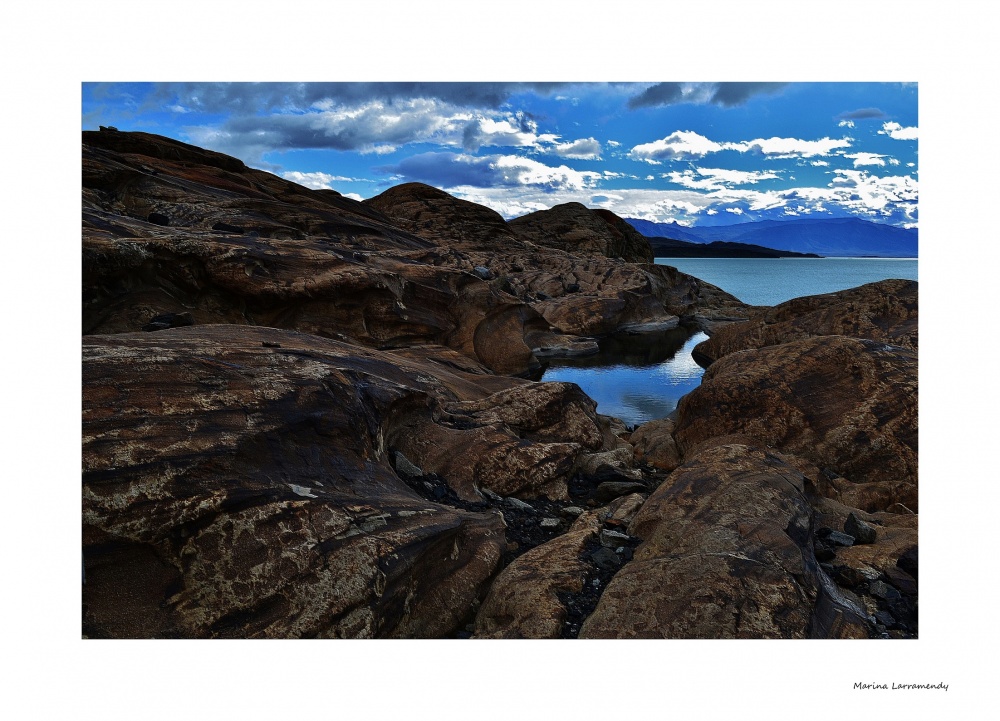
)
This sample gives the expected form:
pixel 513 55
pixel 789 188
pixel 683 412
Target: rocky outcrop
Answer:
pixel 170 230
pixel 653 444
pixel 726 552
pixel 523 441
pixel 524 600
pixel 885 312
pixel 444 219
pixel 847 405
pixel 576 229
pixel 238 482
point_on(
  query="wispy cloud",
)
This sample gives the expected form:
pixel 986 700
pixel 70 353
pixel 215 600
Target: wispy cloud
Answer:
pixel 890 198
pixel 318 180
pixel 365 128
pixel 517 130
pixel 718 178
pixel 689 145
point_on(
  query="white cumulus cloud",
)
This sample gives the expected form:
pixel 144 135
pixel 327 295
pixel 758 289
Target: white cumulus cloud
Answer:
pixel 583 149
pixel 792 147
pixel 865 159
pixel 316 181
pixel 898 132
pixel 681 145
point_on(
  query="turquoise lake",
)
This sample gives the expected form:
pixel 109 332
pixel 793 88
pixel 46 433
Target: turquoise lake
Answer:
pixel 639 378
pixel 769 281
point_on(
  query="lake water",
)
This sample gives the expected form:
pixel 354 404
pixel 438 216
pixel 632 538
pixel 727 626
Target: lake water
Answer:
pixel 639 378
pixel 769 281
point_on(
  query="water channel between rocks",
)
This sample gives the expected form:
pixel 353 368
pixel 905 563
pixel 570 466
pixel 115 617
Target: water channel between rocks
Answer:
pixel 635 377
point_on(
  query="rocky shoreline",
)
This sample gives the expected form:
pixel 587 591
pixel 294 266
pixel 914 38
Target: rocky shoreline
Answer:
pixel 310 417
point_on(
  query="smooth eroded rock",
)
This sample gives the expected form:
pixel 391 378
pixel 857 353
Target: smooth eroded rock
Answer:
pixel 885 311
pixel 726 553
pixel 524 600
pixel 847 405
pixel 231 489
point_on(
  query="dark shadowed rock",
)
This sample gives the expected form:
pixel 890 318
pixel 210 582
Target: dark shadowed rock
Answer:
pixel 862 532
pixel 610 490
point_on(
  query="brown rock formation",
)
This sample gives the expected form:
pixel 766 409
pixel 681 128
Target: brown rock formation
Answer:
pixel 726 553
pixel 444 219
pixel 847 405
pixel 173 230
pixel 523 441
pixel 654 444
pixel 576 229
pixel 523 601
pixel 885 311
pixel 237 483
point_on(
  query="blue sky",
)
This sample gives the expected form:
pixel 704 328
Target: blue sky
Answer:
pixel 694 153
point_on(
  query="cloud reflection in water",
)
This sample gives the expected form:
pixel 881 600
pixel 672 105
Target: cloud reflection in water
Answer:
pixel 636 378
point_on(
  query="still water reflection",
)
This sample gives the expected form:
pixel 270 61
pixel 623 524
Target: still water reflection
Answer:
pixel 636 378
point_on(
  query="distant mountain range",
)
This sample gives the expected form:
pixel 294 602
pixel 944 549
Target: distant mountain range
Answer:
pixel 844 237
pixel 669 248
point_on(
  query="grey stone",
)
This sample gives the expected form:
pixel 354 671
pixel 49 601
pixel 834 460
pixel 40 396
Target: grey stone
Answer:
pixel 614 539
pixel 606 559
pixel 863 532
pixel 882 590
pixel 571 511
pixel 885 618
pixel 496 497
pixel 840 539
pixel 869 573
pixel 404 466
pixel 482 272
pixel 549 523
pixel 519 504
